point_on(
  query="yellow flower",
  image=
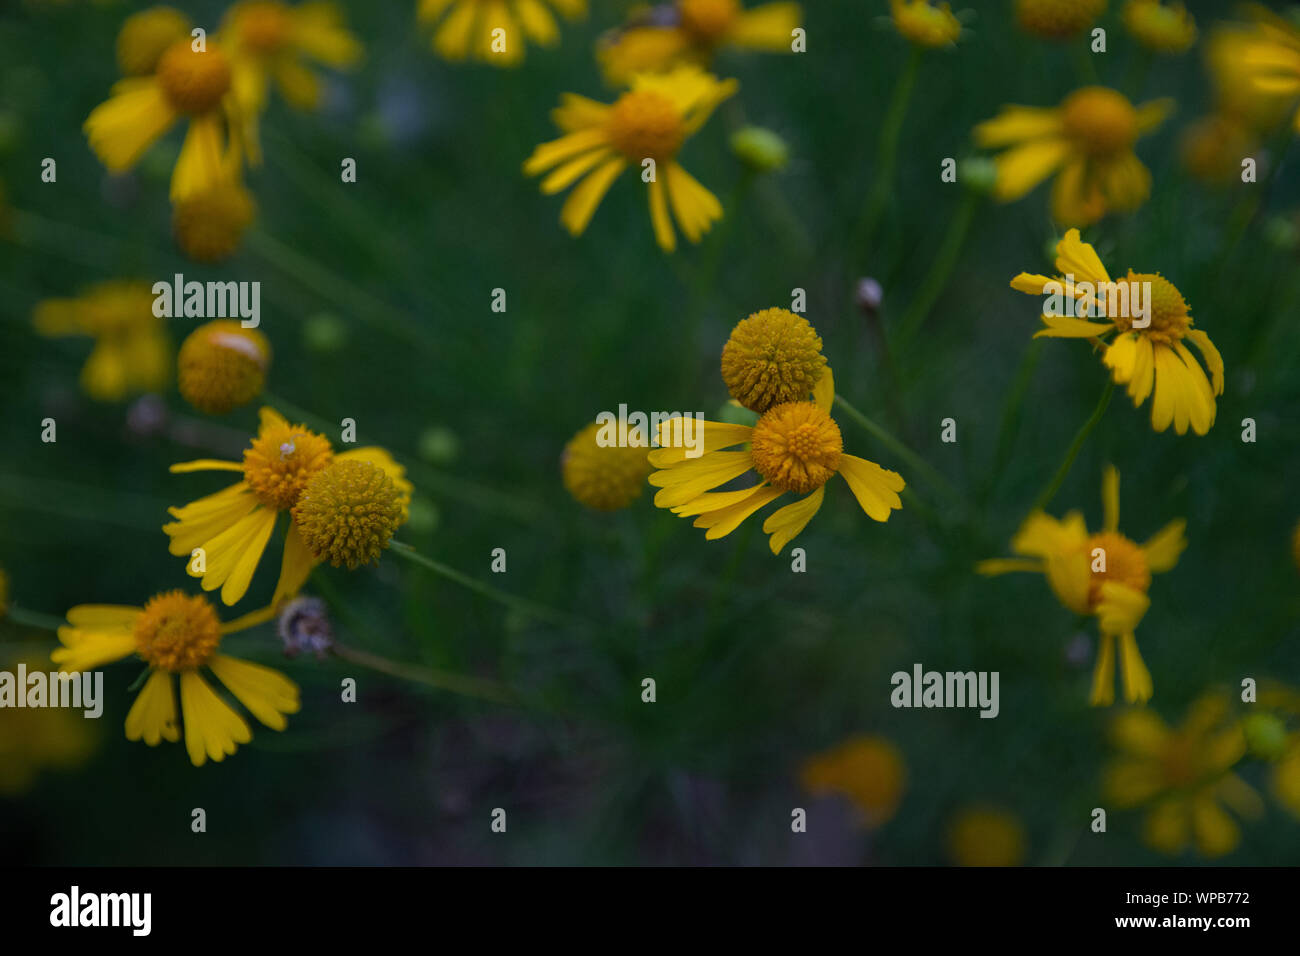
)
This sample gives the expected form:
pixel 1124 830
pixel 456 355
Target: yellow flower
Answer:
pixel 41 738
pixel 869 771
pixel 924 24
pixel 185 84
pixel 234 526
pixel 132 352
pixel 794 447
pixel 772 357
pixel 176 634
pixel 602 477
pixel 1105 575
pixel 1058 19
pixel 1260 62
pixel 348 512
pixel 469 28
pixel 222 365
pixel 1152 361
pixel 1213 147
pixel 1183 775
pixel 146 35
pixel 986 836
pixel 648 123
pixel 691 31
pixel 1163 29
pixel 1087 142
pixel 269 41
pixel 209 224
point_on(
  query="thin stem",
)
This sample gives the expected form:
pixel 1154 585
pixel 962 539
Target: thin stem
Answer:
pixel 523 605
pixel 890 131
pixel 913 460
pixel 26 618
pixel 476 687
pixel 1011 415
pixel 1072 452
pixel 936 279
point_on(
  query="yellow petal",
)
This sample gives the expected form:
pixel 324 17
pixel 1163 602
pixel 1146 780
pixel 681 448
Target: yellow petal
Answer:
pixel 726 520
pixel 1216 833
pixel 103 615
pixel 201 163
pixel 1016 124
pixel 1212 358
pixel 769 27
pixel 786 523
pixel 685 482
pixel 1074 256
pixel 663 227
pixel 1120 608
pixel 85 649
pixel 262 523
pixel 1021 168
pixel 875 488
pixel 995 566
pixel 716 435
pixel 1163 548
pixel 121 129
pixel 295 567
pixel 694 207
pixel 582 202
pixel 1103 673
pixel 1133 672
pixel 152 717
pixel 267 693
pixel 1031 283
pixel 212 728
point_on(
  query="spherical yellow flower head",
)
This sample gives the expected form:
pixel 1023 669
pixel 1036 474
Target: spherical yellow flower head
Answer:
pixel 1163 29
pixel 210 224
pixel 869 771
pixel 194 82
pixel 646 124
pixel 1125 564
pixel 260 26
pixel 146 35
pixel 1058 19
pixel 796 447
pixel 1170 320
pixel 280 462
pixel 222 365
pixel 772 357
pixel 348 513
pixel 708 21
pixel 986 837
pixel 603 477
pixel 1100 121
pixel 926 25
pixel 177 632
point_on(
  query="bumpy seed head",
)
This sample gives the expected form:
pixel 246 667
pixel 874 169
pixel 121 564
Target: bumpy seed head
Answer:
pixel 645 124
pixel 1164 29
pixel 1099 121
pixel 194 82
pixel 209 225
pixel 280 462
pixel 177 632
pixel 222 365
pixel 1125 564
pixel 796 447
pixel 926 25
pixel 261 26
pixel 604 478
pixel 1169 311
pixel 348 513
pixel 145 36
pixel 708 21
pixel 1057 19
pixel 774 356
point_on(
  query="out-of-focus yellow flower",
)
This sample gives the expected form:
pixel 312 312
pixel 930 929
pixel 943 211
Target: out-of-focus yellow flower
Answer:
pixel 868 771
pixel 185 84
pixel 146 35
pixel 1153 361
pixel 604 477
pixel 179 636
pixel 691 31
pixel 41 738
pixel 645 128
pixel 1058 19
pixel 209 224
pixel 132 352
pixel 1213 147
pixel 1087 142
pixel 925 24
pixel 1104 575
pixel 495 31
pixel 986 836
pixel 1184 776
pixel 233 526
pixel 1160 28
pixel 222 365
pixel 1258 61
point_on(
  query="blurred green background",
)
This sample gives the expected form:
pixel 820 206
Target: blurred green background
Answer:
pixel 757 668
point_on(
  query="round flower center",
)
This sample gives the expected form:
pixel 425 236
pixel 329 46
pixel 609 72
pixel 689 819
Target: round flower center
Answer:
pixel 1168 309
pixel 193 82
pixel 796 447
pixel 177 632
pixel 772 357
pixel 708 20
pixel 1100 121
pixel 644 124
pixel 209 225
pixel 603 477
pixel 281 461
pixel 145 36
pixel 1125 564
pixel 222 365
pixel 1057 19
pixel 348 512
pixel 262 25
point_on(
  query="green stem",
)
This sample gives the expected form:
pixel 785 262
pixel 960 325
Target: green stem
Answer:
pixel 1010 423
pixel 522 605
pixel 936 280
pixel 890 131
pixel 914 461
pixel 1072 452
pixel 26 618
pixel 476 687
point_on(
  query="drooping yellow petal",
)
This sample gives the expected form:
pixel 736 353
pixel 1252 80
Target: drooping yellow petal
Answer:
pixel 1110 498
pixel 1023 167
pixel 1141 733
pixel 663 227
pixel 295 567
pixel 262 523
pixel 694 207
pixel 685 482
pixel 267 693
pixel 1143 378
pixel 1200 396
pixel 318 31
pixel 823 392
pixel 1168 390
pixel 1133 672
pixel 1103 673
pixel 1074 256
pixel 1163 548
pixel 586 196
pixel 786 523
pixel 769 27
pixel 538 22
pixel 991 567
pixel 1017 124
pixel 726 520
pixel 103 615
pixel 672 438
pixel 300 87
pixel 1212 358
pixel 201 163
pixel 1031 283
pixel 715 501
pixel 1215 832
pixel 875 488
pixel 1167 826
pixel 85 649
pixel 122 128
pixel 199 522
pixel 1120 608
pixel 152 717
pixel 455 36
pixel 205 464
pixel 1067 327
pixel 1076 198
pixel 212 728
pixel 566 174
pixel 579 112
